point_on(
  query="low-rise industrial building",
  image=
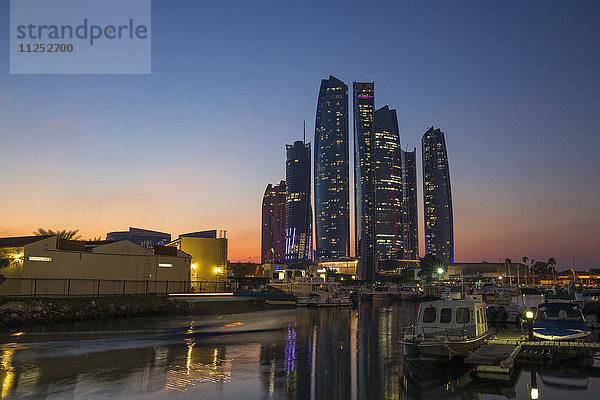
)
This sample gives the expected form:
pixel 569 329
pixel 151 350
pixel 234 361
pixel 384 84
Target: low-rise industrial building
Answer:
pixel 209 256
pixel 49 265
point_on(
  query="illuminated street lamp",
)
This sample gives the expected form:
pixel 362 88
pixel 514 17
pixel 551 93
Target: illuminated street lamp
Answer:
pixel 529 317
pixel 440 272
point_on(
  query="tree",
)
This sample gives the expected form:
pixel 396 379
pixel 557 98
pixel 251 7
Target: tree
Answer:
pixel 525 259
pixel 508 262
pixel 430 265
pixel 7 257
pixel 552 263
pixel 64 234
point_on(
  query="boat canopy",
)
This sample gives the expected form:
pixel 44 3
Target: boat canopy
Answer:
pixel 452 318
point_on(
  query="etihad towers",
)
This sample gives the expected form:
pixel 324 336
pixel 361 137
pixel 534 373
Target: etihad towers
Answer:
pixel 439 229
pixel 331 168
pixel 298 209
pixel 364 177
pixel 389 244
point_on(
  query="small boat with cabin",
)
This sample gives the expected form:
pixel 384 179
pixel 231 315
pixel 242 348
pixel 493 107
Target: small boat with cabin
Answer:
pixel 410 293
pixel 316 292
pixel 446 330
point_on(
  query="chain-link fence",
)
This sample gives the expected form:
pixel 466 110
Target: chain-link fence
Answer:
pixel 71 287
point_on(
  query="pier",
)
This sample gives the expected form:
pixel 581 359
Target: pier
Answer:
pixel 496 358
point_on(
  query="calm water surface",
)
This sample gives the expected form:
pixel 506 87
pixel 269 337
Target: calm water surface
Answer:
pixel 312 354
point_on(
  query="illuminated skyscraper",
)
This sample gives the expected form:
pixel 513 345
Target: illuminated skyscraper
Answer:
pixel 273 224
pixel 298 210
pixel 364 104
pixel 410 220
pixel 388 186
pixel 439 231
pixel 332 209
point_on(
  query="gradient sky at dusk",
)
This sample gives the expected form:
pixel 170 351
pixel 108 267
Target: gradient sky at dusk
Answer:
pixel 514 85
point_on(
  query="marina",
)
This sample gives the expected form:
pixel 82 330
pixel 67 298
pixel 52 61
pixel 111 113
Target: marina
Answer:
pixel 292 353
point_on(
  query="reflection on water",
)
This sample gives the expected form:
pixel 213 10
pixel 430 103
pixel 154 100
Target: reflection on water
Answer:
pixel 314 354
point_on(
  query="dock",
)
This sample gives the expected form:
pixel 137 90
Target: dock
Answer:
pixel 496 358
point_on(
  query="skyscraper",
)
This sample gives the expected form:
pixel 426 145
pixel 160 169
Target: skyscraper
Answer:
pixel 388 186
pixel 273 224
pixel 439 230
pixel 364 104
pixel 332 207
pixel 298 210
pixel 410 220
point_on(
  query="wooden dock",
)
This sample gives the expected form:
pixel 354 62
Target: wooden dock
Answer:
pixel 540 344
pixel 498 356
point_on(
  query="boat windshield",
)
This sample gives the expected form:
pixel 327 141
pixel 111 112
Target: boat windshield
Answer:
pixel 559 311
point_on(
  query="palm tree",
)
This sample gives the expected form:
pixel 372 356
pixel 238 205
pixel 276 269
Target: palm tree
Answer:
pixel 552 263
pixel 64 234
pixel 507 262
pixel 525 259
pixel 533 271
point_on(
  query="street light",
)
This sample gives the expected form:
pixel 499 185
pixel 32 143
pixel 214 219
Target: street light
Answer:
pixel 529 317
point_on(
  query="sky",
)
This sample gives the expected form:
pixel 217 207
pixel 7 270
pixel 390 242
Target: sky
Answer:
pixel 513 85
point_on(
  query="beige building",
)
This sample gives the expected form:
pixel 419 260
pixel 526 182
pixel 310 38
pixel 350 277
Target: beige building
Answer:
pixel 487 270
pixel 209 255
pixel 49 265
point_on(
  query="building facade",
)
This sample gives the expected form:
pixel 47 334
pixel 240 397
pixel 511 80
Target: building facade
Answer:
pixel 208 250
pixel 389 243
pixel 273 224
pixel 439 227
pixel 51 266
pixel 331 163
pixel 410 219
pixel 142 237
pixel 364 107
pixel 298 209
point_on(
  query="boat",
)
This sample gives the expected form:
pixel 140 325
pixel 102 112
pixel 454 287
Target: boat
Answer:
pixel 315 292
pixel 504 309
pixel 560 322
pixel 385 291
pixel 591 313
pixel 410 292
pixel 446 330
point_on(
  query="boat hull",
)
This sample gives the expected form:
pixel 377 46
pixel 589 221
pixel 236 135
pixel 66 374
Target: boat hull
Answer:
pixel 443 351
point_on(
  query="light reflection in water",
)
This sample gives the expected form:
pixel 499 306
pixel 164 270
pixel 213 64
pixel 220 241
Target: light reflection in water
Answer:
pixel 195 372
pixel 7 368
pixel 290 348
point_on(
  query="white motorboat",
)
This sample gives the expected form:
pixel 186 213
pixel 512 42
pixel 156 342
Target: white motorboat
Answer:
pixel 445 330
pixel 410 292
pixel 316 292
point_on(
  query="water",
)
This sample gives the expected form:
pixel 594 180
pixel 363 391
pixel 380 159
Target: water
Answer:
pixel 286 354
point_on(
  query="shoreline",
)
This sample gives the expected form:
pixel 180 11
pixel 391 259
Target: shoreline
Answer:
pixel 15 312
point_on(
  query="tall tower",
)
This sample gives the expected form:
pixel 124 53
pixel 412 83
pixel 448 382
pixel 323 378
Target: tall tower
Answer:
pixel 332 198
pixel 410 220
pixel 273 224
pixel 364 104
pixel 439 230
pixel 388 186
pixel 298 209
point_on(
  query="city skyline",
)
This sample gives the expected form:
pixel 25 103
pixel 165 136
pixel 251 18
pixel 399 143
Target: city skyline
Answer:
pixel 192 145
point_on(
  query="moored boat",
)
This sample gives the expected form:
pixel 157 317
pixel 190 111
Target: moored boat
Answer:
pixel 446 330
pixel 560 322
pixel 410 292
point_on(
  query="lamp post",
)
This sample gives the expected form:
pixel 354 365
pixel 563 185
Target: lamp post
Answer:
pixel 440 272
pixel 529 317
